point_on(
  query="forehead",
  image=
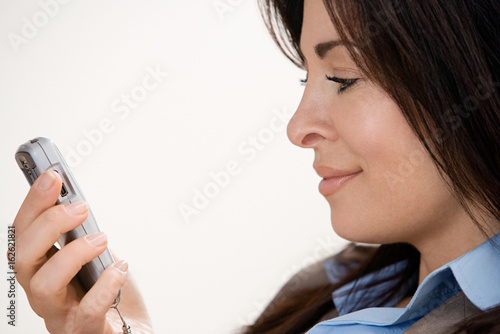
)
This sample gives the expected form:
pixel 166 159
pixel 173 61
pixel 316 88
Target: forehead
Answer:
pixel 317 26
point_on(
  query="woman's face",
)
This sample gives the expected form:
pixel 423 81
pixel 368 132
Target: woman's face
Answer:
pixel 397 194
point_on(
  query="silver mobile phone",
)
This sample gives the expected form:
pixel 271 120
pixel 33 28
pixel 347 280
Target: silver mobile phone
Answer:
pixel 41 154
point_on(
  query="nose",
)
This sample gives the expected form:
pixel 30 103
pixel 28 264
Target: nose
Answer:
pixel 312 123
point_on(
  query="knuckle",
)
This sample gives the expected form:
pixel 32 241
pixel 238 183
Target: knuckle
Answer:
pixel 59 220
pixel 20 263
pixel 104 298
pixel 40 290
pixel 90 311
pixel 55 214
pixel 26 264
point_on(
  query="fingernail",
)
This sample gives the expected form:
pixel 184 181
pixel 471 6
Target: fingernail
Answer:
pixel 77 208
pixel 121 266
pixel 46 180
pixel 96 239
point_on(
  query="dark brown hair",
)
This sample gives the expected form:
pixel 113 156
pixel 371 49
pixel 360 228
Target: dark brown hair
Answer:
pixel 439 60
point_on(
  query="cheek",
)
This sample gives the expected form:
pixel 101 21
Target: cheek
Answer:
pixel 386 205
pixel 376 131
pixel 372 126
pixel 399 191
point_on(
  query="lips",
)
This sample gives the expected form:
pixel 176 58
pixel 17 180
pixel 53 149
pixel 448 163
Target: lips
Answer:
pixel 334 179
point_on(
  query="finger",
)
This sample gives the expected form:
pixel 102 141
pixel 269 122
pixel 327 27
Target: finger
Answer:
pixel 49 284
pixel 25 286
pixel 42 195
pixel 96 303
pixel 40 236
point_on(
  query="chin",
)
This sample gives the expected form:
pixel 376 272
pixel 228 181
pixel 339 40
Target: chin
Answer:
pixel 356 229
pixel 347 229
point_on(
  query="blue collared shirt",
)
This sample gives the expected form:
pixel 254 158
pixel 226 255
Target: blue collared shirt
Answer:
pixel 476 273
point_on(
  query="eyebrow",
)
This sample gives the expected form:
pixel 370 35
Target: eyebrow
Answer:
pixel 322 49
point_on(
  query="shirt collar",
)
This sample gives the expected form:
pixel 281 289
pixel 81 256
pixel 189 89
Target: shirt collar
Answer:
pixel 473 273
pixel 478 273
pixel 359 294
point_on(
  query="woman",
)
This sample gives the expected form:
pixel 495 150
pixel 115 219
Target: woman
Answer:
pixel 401 108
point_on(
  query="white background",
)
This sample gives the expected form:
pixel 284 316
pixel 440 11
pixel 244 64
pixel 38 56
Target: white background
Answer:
pixel 215 271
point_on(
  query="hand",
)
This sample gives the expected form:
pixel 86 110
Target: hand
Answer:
pixel 48 275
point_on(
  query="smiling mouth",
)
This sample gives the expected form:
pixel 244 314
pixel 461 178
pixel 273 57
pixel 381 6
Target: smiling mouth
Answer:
pixel 330 185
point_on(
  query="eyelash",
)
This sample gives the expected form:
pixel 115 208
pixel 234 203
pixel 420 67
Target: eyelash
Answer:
pixel 344 83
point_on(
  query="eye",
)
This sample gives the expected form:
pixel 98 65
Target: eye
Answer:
pixel 344 83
